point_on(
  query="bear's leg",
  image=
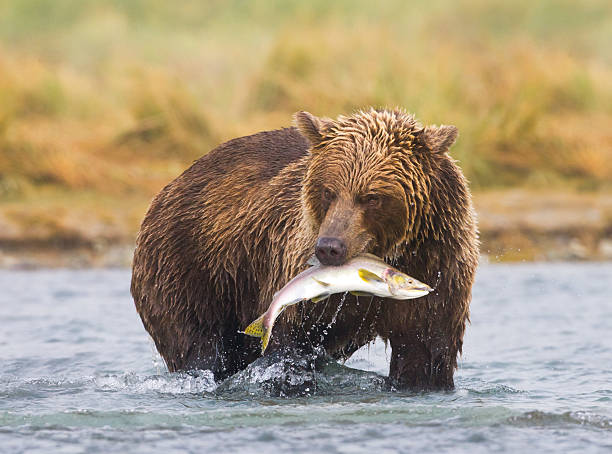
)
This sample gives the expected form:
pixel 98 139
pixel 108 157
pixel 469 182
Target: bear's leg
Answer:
pixel 422 362
pixel 223 353
pixel 208 354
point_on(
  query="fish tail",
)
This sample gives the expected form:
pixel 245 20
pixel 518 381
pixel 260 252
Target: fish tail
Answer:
pixel 265 339
pixel 256 328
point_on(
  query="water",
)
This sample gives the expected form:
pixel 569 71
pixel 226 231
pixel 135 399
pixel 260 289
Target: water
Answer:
pixel 78 373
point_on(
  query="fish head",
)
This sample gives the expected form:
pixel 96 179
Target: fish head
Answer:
pixel 402 286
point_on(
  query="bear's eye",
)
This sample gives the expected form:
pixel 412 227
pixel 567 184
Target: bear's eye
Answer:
pixel 328 195
pixel 373 200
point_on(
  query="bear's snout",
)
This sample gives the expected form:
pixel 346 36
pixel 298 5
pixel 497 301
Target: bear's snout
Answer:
pixel 330 251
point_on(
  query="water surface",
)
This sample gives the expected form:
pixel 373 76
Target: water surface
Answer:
pixel 78 373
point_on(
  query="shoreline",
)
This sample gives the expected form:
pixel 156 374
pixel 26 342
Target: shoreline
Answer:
pixel 515 225
pixel 499 246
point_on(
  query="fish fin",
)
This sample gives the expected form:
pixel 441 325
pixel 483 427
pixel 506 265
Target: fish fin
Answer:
pixel 360 293
pixel 324 284
pixel 265 339
pixel 321 297
pixel 369 276
pixel 256 328
pixel 313 261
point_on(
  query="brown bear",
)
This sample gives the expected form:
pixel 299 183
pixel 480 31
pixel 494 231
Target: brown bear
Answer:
pixel 222 238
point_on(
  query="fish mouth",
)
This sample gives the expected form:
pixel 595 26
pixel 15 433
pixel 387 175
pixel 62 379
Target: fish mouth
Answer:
pixel 420 290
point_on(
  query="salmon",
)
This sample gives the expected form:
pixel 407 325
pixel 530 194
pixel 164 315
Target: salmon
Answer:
pixel 364 274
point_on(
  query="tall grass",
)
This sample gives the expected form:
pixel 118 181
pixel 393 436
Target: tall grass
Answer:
pixel 116 97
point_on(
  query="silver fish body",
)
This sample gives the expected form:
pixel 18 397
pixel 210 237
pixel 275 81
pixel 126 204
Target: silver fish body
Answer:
pixel 363 274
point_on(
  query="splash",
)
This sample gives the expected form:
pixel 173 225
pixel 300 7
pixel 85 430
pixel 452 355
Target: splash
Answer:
pixel 194 382
pixel 295 375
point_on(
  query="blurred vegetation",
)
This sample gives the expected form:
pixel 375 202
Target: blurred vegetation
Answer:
pixel 104 102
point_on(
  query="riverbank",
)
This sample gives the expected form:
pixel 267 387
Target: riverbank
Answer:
pixel 515 225
pixel 520 225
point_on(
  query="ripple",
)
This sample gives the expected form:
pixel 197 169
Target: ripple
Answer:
pixel 77 375
pixel 543 419
pixel 33 387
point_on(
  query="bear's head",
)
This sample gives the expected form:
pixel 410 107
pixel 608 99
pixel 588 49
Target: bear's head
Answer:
pixel 369 179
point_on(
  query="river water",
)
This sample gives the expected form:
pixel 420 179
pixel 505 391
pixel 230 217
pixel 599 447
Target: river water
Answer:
pixel 78 373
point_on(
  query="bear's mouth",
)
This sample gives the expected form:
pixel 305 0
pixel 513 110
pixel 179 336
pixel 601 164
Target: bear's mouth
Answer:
pixel 366 244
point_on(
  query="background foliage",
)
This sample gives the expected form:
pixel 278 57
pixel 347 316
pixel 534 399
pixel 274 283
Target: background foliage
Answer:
pixel 104 102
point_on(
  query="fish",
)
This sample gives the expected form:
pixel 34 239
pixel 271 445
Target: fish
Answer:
pixel 363 275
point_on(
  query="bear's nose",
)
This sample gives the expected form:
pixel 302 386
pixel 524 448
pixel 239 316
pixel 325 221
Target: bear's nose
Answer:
pixel 330 251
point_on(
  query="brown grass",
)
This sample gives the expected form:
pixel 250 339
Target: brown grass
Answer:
pixel 114 99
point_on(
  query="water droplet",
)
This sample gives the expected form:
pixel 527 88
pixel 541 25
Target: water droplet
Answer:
pixel 334 318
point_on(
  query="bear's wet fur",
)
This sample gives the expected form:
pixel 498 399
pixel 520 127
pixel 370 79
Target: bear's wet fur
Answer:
pixel 223 237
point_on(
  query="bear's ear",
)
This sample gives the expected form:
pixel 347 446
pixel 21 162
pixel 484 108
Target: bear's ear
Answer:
pixel 311 127
pixel 439 138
